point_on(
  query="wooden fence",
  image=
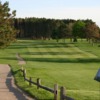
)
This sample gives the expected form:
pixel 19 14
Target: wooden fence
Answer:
pixel 63 94
pixel 54 91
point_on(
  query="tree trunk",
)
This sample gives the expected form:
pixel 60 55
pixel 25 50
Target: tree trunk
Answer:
pixel 75 39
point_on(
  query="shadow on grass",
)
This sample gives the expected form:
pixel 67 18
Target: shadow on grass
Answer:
pixel 8 58
pixel 64 60
pixel 16 47
pixel 51 46
pixel 37 44
pixel 59 60
pixel 52 53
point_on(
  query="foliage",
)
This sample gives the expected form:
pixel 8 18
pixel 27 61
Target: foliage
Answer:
pixel 7 31
pixel 42 28
pixel 78 30
pixel 92 30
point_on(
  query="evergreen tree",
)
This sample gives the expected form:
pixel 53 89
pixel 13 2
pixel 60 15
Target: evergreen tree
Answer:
pixel 7 31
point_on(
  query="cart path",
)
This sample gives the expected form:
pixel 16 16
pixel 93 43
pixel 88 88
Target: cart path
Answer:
pixel 8 90
pixel 20 59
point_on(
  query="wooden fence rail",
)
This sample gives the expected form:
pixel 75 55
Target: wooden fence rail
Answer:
pixel 54 91
pixel 38 84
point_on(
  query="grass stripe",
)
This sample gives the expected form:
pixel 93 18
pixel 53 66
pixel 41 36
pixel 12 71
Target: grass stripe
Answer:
pixel 59 51
pixel 83 53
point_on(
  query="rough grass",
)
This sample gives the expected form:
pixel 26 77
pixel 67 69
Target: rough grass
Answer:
pixel 70 65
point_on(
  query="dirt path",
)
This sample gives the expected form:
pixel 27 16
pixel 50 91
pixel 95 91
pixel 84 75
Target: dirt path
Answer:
pixel 20 59
pixel 8 90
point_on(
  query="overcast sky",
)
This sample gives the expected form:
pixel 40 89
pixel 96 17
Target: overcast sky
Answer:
pixel 59 9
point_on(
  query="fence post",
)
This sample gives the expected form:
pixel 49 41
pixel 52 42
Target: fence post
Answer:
pixel 38 82
pixel 30 84
pixel 55 91
pixel 24 74
pixel 62 93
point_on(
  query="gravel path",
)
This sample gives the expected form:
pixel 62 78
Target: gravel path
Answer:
pixel 8 90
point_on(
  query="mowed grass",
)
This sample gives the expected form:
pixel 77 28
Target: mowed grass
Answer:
pixel 70 65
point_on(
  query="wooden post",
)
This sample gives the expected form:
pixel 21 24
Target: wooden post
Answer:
pixel 62 93
pixel 38 82
pixel 30 84
pixel 55 91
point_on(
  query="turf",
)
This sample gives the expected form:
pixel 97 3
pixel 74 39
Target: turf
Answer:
pixel 72 65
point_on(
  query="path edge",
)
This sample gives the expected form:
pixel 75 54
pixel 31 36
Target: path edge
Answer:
pixel 19 87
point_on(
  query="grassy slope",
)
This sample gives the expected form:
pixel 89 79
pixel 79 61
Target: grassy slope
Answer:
pixel 61 63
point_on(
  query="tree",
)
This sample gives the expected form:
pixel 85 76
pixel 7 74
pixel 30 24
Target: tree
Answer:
pixel 63 31
pixel 7 31
pixel 55 33
pixel 69 31
pixel 92 31
pixel 42 28
pixel 78 30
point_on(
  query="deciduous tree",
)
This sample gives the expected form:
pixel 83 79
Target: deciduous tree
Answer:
pixel 78 30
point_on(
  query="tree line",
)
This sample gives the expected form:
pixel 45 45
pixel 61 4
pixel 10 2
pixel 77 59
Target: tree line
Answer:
pixel 42 28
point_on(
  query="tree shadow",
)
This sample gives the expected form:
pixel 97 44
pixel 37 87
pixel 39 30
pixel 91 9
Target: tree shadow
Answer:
pixel 16 47
pixel 52 53
pixel 37 44
pixel 64 60
pixel 8 58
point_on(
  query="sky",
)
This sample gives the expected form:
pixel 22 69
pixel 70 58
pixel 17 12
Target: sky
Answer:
pixel 57 9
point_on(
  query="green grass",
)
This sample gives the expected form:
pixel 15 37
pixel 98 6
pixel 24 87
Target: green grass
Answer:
pixel 70 65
